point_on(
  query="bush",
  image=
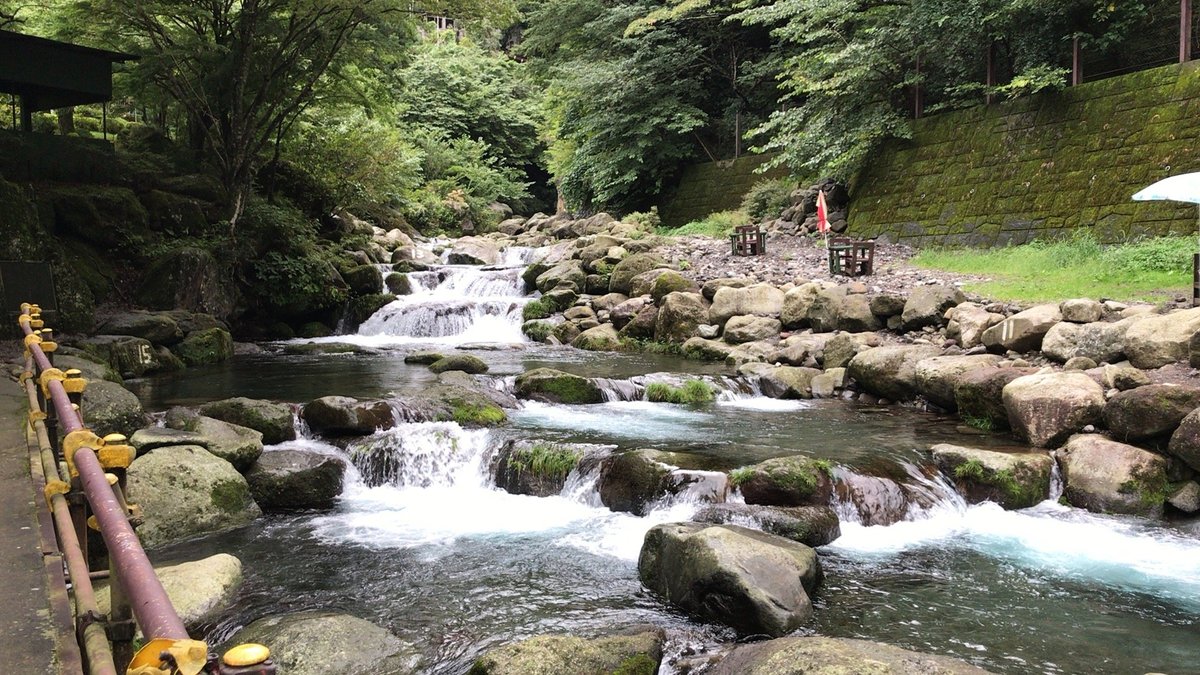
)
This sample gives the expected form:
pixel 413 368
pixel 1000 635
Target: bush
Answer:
pixel 537 309
pixel 647 220
pixel 717 225
pixel 1159 254
pixel 768 198
pixel 693 392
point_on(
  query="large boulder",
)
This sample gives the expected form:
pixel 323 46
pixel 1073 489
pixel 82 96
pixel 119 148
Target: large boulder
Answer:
pixel 936 377
pixel 701 349
pixel 91 367
pixel 189 278
pixel 642 325
pixel 199 590
pixel 632 481
pixel 203 347
pixel 967 323
pixel 363 279
pixel 473 251
pixel 796 303
pixel 788 381
pixel 740 329
pixel 157 327
pixel 679 315
pixel 809 525
pixel 185 491
pixel 109 408
pixel 272 420
pixel 1185 442
pixel 1045 408
pixel 752 581
pixel 534 468
pixel 890 371
pixel 1105 476
pixel 622 275
pixel 1148 412
pixel 1155 341
pixel 602 338
pixel 1081 310
pixel 342 415
pixel 129 356
pixel 238 445
pixel 927 305
pixel 824 312
pixel 295 478
pixel 835 656
pixel 757 300
pixel 466 363
pixel 877 500
pixel 566 274
pixel 555 386
pixel 323 643
pixel 1023 331
pixel 979 395
pixel 1014 480
pixel 637 653
pixel 785 481
pixel 854 315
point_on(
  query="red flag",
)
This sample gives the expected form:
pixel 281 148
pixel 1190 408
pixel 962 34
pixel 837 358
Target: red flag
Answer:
pixel 822 213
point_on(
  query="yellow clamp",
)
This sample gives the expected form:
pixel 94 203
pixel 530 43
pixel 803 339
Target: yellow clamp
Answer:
pixel 116 453
pixel 25 307
pixel 32 339
pixel 49 347
pixel 75 382
pixel 191 656
pixel 55 487
pixel 25 376
pixel 249 654
pixel 36 321
pixel 50 375
pixel 35 416
pixel 24 318
pixel 75 440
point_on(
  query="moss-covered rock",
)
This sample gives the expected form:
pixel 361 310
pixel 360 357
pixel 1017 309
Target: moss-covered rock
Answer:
pixel 363 279
pixel 638 653
pixel 109 408
pixel 293 478
pixel 238 445
pixel 360 308
pixel 1109 477
pixel 212 345
pixel 538 330
pixel 322 643
pixel 188 278
pixel 466 363
pixel 602 338
pixel 1014 480
pixel 535 468
pixel 1152 411
pixel 423 357
pixel 809 525
pixel 632 481
pixel 129 356
pixel 272 420
pixel 555 386
pixel 622 275
pixel 398 284
pixel 785 481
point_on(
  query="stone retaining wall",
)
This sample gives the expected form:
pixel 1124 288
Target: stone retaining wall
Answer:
pixel 705 189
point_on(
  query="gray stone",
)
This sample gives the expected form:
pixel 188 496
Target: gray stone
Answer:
pixel 854 315
pixel 935 378
pixel 622 275
pixel 785 481
pixel 788 382
pixel 1185 442
pixel 1102 342
pixel 1149 412
pixel 129 356
pixel 185 491
pixel 885 305
pixel 679 314
pixel 566 274
pixel 555 386
pixel 1155 341
pixel 712 285
pixel 927 305
pixel 273 420
pixel 323 643
pixel 1079 363
pixel 796 303
pixel 1081 310
pixel 740 329
pixel 238 445
pixel 809 525
pixel 1047 407
pixel 825 310
pixel 752 581
pixel 199 590
pixel 1023 331
pixel 1124 377
pixel 889 371
pixel 466 363
pixel 632 481
pixel 634 654
pixel 601 338
pixel 342 415
pixel 1014 480
pixel 1105 476
pixel 701 349
pixel 967 323
pixel 1186 498
pixel 157 327
pixel 109 408
pixel 294 478
pixel 757 300
pixel 471 251
pixel 835 656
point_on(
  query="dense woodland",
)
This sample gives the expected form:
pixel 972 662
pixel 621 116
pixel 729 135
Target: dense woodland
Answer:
pixel 300 109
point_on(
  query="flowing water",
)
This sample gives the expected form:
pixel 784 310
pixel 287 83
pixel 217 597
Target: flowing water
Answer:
pixel 423 543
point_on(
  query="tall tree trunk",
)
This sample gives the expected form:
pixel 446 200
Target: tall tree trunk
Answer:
pixel 66 121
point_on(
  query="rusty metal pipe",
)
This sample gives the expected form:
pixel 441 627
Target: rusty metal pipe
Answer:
pixel 151 606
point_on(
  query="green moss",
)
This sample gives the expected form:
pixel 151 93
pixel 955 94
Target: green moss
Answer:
pixel 478 415
pixel 537 330
pixel 652 346
pixel 802 480
pixel 229 496
pixel 692 392
pixel 544 460
pixel 1014 491
pixel 740 475
pixel 1151 488
pixel 971 469
pixel 638 664
pixel 537 309
pixel 981 423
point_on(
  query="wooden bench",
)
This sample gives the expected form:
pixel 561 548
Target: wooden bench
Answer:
pixel 851 257
pixel 748 240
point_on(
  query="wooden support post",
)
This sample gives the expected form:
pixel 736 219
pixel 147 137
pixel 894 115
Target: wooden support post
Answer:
pixel 1076 63
pixel 1185 31
pixel 991 72
pixel 918 105
pixel 26 113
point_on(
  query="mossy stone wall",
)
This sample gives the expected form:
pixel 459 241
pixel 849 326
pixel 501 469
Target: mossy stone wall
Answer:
pixel 705 189
pixel 1039 166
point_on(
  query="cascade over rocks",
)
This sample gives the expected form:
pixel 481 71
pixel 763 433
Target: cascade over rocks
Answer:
pixel 890 371
pixel 810 525
pixel 1047 407
pixel 1149 412
pixel 638 651
pixel 632 481
pixel 473 251
pixel 1105 476
pixel 1014 480
pixel 752 581
pixel 825 655
pixel 877 500
pixel 294 478
pixel 321 643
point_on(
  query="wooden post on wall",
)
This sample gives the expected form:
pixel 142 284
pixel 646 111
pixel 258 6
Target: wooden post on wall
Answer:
pixel 1185 31
pixel 918 104
pixel 1076 64
pixel 991 72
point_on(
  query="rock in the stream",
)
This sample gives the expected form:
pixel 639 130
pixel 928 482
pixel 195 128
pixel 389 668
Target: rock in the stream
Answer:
pixel 601 338
pixel 294 478
pixel 785 481
pixel 211 345
pixel 467 363
pixel 835 656
pixel 752 581
pixel 555 386
pixel 679 315
pixel 632 481
pixel 809 525
pixel 199 590
pixel 325 643
pixel 978 395
pixel 109 408
pixel 273 420
pixel 1014 480
pixel 1110 477
pixel 636 653
pixel 342 415
pixel 937 377
pixel 185 491
pixel 890 371
pixel 535 468
pixel 238 445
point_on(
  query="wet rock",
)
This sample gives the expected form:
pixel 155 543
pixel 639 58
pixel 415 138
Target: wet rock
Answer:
pixel 473 251
pixel 757 300
pixel 701 349
pixel 785 481
pixel 159 328
pixel 345 416
pixel 1014 480
pixel 1105 476
pixel 185 491
pixel 978 395
pixel 423 357
pixel 637 653
pixel 622 275
pixel 625 312
pixel 363 279
pixel 1149 412
pixel 1023 331
pixel 1155 341
pixel 199 590
pixel 1044 409
pixel 555 386
pixel 1081 310
pixel 632 481
pixel 927 305
pixel 238 445
pixel 740 329
pixel 212 345
pixel 145 440
pixel 679 314
pixel 272 420
pixel 293 478
pixel 811 655
pixel 601 338
pixel 889 371
pixel 466 363
pixel 809 525
pixel 788 382
pixel 1186 498
pixel 321 643
pixel 535 468
pixel 1185 442
pixel 877 500
pixel 935 378
pixel 109 408
pixel 752 581
pixel 567 274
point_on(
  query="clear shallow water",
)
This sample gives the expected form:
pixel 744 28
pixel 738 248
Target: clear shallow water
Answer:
pixel 451 564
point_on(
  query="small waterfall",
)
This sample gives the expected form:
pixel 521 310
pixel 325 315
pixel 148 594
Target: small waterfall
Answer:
pixel 634 388
pixel 1056 480
pixel 426 454
pixel 884 500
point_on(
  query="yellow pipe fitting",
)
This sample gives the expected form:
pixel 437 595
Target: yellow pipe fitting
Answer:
pixel 49 375
pixel 75 382
pixel 24 318
pixel 26 307
pixel 32 339
pixel 36 416
pixel 191 656
pixel 55 487
pixel 249 654
pixel 84 438
pixel 49 347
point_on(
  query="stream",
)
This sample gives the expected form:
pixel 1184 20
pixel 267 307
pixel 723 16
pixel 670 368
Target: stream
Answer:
pixel 430 549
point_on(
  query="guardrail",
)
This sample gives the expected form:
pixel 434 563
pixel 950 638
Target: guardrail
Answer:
pixel 86 474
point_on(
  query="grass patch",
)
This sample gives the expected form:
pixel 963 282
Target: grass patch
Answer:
pixel 692 392
pixel 718 225
pixel 537 330
pixel 1003 480
pixel 652 346
pixel 739 476
pixel 537 309
pixel 1078 266
pixel 980 423
pixel 544 460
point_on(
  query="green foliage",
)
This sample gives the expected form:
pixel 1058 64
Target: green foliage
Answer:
pixel 647 220
pixel 537 309
pixel 768 198
pixel 1078 266
pixel 537 331
pixel 717 225
pixel 692 392
pixel 544 460
pixel 740 475
pixel 981 423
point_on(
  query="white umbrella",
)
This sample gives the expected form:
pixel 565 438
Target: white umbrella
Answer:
pixel 1182 188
